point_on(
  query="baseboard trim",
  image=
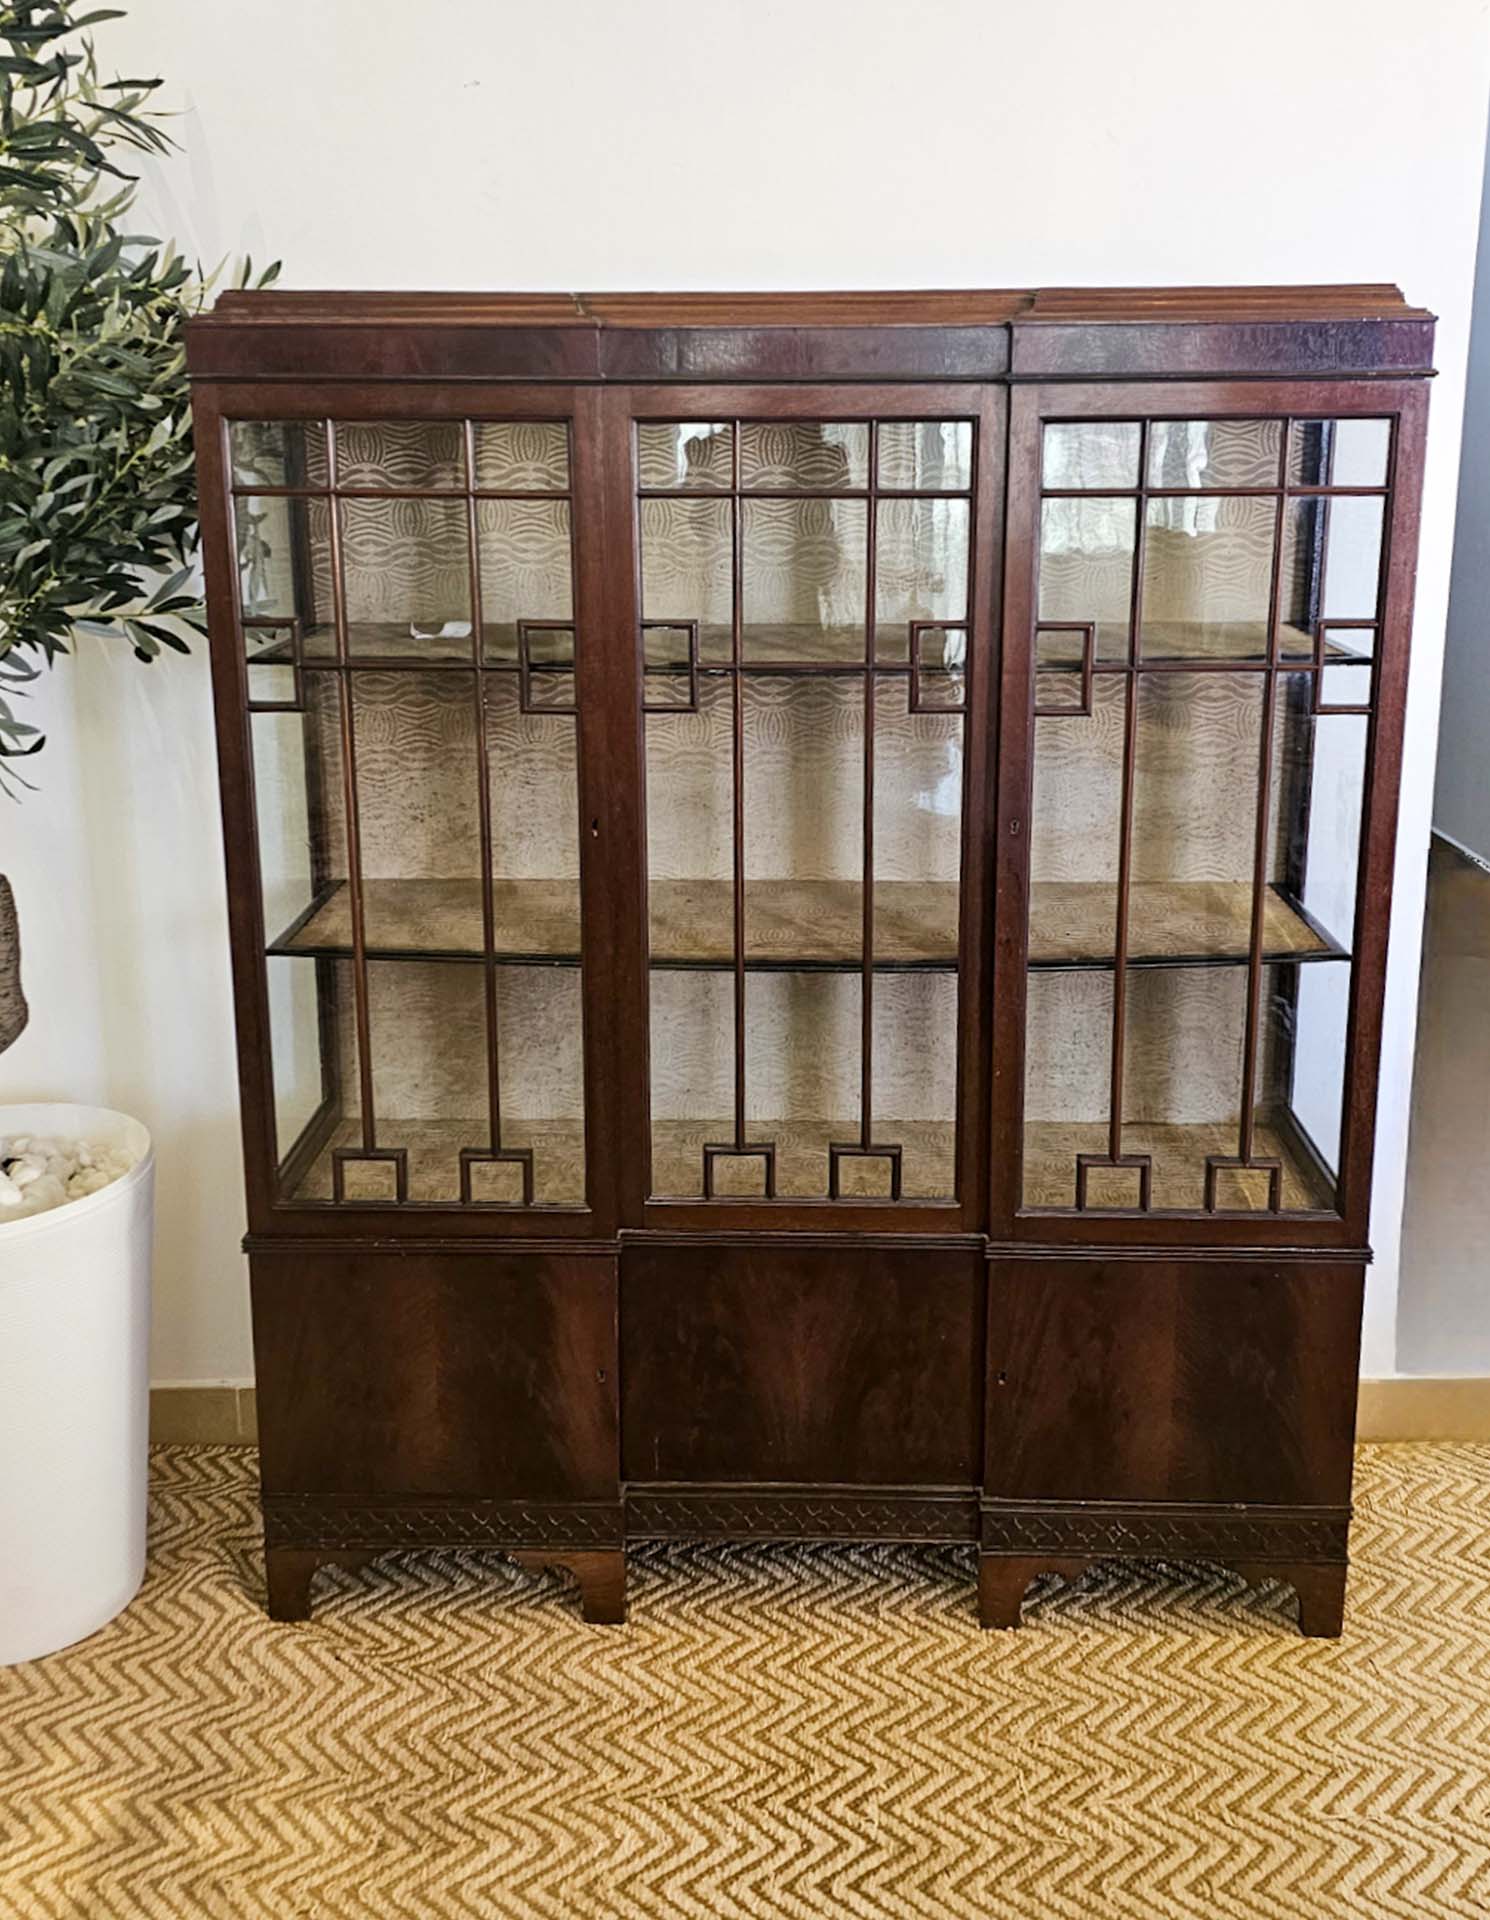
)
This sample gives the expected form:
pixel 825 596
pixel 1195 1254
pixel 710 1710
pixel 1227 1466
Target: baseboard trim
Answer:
pixel 222 1416
pixel 1425 1407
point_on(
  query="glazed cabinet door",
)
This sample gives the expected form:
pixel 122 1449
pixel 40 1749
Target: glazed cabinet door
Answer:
pixel 813 629
pixel 403 627
pixel 1207 617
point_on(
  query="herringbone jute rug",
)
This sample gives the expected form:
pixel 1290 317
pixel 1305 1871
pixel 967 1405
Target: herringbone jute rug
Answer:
pixel 783 1732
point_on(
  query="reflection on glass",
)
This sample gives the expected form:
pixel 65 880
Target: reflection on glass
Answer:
pixel 925 456
pixel 921 568
pixel 1339 453
pixel 1207 577
pixel 278 453
pixel 1091 453
pixel 687 562
pixel 1214 453
pixel 803 593
pixel 817 456
pixel 1086 568
pixel 696 455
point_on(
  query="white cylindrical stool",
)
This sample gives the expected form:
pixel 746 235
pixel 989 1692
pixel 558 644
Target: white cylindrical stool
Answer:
pixel 74 1394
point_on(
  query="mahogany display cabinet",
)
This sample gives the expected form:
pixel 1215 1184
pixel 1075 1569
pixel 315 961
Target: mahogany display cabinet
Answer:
pixel 809 882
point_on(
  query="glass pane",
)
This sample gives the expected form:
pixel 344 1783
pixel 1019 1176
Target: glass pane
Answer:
pixel 804 580
pixel 1339 453
pixel 692 1079
pixel 301 993
pixel 1319 779
pixel 1086 568
pixel 418 775
pixel 400 453
pixel 915 1081
pixel 918 760
pixel 697 455
pixel 278 453
pixel 921 570
pixel 1353 559
pixel 1183 1037
pixel 524 552
pixel 687 566
pixel 1075 822
pixel 1214 453
pixel 1091 453
pixel 1301 1085
pixel 804 820
pixel 429 1050
pixel 802 1040
pixel 817 456
pixel 522 456
pixel 284 566
pixel 407 571
pixel 532 765
pixel 925 456
pixel 283 746
pixel 1331 562
pixel 1207 578
pixel 540 1048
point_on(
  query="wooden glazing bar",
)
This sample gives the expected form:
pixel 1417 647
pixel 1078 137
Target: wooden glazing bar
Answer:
pixel 1207 493
pixel 402 493
pixel 1125 830
pixel 354 828
pixel 737 752
pixel 866 976
pixel 1247 1125
pixel 483 801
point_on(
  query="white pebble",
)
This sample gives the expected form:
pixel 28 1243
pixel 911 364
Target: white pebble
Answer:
pixel 39 1173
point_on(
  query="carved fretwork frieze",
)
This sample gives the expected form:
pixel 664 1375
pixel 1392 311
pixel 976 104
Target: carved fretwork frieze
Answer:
pixel 801 1513
pixel 1160 1529
pixel 296 1521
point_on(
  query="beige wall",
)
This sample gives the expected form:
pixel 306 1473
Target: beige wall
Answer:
pixel 709 143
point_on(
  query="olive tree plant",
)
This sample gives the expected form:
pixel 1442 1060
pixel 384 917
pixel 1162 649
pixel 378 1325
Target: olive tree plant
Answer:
pixel 98 527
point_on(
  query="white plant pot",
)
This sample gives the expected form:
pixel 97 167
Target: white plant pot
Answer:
pixel 74 1394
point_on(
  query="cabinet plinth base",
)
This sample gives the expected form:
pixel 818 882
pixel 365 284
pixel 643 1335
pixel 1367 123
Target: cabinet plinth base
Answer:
pixel 288 1572
pixel 600 1576
pixel 1005 1578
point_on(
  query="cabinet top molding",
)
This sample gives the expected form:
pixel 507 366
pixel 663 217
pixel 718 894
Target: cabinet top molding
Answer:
pixel 1047 333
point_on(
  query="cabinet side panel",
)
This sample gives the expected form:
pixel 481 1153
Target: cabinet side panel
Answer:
pixel 1218 1382
pixel 766 1364
pixel 436 1374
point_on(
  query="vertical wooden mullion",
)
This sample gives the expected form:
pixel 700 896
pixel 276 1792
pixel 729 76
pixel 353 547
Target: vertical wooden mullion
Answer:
pixel 866 990
pixel 353 822
pixel 483 792
pixel 737 763
pixel 1125 830
pixel 1264 818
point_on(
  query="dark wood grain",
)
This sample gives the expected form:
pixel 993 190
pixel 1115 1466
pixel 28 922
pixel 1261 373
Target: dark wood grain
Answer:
pixel 773 1365
pixel 1159 1381
pixel 457 1374
pixel 546 1382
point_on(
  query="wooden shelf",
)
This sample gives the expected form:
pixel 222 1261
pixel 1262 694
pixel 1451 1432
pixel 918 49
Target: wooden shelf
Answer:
pixel 928 1150
pixel 927 1158
pixel 807 924
pixel 1179 1156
